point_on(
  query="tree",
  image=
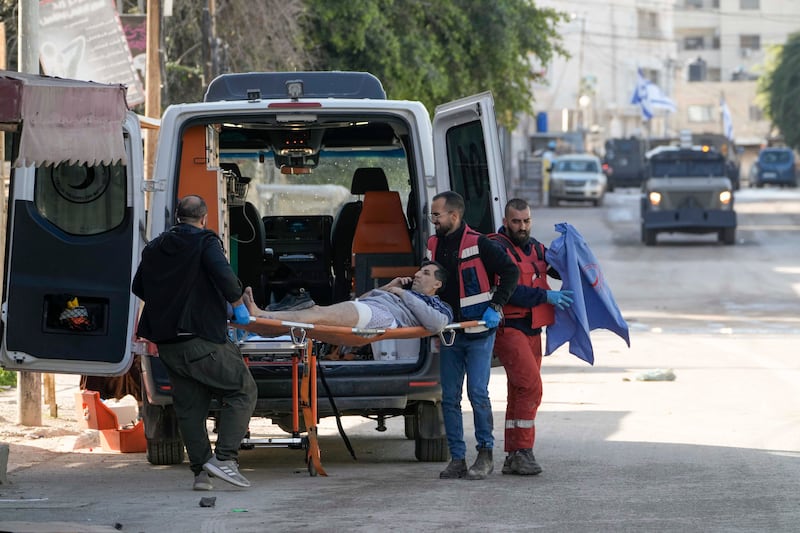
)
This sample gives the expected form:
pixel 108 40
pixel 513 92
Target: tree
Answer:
pixel 428 50
pixel 779 88
pixel 247 36
pixel 436 51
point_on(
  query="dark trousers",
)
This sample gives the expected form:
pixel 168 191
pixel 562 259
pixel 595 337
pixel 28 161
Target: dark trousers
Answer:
pixel 200 370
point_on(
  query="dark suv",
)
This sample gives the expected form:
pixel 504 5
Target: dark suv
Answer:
pixel 687 190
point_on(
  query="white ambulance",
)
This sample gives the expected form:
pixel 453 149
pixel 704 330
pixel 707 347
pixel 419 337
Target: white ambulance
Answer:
pixel 287 163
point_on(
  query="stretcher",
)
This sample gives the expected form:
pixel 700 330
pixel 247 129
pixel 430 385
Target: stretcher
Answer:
pixel 304 390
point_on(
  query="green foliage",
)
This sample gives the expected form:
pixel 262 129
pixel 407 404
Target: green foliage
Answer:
pixel 433 51
pixel 8 377
pixel 780 88
pixel 439 51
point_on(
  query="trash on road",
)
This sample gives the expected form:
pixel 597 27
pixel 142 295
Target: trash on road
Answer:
pixel 658 374
pixel 208 501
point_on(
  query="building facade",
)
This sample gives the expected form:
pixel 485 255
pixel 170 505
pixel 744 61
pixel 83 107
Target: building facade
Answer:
pixel 698 52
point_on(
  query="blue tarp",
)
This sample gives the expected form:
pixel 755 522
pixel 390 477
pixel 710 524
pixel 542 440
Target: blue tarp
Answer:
pixel 594 306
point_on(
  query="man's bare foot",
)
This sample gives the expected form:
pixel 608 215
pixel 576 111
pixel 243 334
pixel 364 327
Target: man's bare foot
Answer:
pixel 249 301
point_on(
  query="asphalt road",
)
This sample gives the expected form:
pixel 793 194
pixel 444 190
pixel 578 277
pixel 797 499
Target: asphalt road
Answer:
pixel 716 450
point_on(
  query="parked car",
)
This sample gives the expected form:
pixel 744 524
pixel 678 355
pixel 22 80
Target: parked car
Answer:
pixel 774 166
pixel 577 177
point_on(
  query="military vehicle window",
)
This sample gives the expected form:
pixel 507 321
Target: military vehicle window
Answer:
pixel 469 172
pixel 686 168
pixel 82 199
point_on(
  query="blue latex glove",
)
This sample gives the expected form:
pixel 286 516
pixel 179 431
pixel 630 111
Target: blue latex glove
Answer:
pixel 561 299
pixel 491 317
pixel 241 315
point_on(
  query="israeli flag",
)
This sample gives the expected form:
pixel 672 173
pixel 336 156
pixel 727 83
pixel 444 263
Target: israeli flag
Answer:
pixel 727 121
pixel 650 97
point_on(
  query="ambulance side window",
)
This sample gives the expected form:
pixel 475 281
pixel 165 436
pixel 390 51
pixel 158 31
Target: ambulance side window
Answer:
pixel 82 199
pixel 469 174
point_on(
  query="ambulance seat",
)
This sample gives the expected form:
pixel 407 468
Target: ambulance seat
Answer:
pixel 344 228
pixel 381 240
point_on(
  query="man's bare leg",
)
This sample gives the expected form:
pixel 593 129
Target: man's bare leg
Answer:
pixel 341 314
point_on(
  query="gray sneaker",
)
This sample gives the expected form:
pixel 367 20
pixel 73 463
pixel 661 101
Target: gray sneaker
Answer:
pixel 226 471
pixel 202 481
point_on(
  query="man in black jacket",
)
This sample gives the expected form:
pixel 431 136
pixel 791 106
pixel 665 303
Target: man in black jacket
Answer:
pixel 186 284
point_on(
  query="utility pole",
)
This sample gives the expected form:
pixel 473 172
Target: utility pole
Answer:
pixel 578 113
pixel 211 65
pixel 29 384
pixel 152 98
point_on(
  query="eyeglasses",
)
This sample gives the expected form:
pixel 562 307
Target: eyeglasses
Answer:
pixel 433 216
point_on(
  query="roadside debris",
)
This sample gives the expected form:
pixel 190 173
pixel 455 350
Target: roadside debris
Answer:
pixel 658 374
pixel 208 501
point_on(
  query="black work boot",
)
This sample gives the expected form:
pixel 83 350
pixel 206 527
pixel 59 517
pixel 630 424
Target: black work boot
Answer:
pixel 483 465
pixel 507 463
pixel 524 464
pixel 455 470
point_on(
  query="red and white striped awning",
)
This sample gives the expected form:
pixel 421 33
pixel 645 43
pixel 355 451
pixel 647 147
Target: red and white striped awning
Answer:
pixel 61 120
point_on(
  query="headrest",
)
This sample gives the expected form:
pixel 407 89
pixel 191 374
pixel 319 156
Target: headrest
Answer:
pixel 231 167
pixel 368 179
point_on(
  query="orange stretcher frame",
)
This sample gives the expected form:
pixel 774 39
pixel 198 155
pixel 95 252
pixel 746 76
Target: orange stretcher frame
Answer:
pixel 347 336
pixel 304 394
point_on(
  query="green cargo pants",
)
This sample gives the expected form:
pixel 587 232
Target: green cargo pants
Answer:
pixel 199 370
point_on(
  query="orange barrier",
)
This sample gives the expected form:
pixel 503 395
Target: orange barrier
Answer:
pixel 96 415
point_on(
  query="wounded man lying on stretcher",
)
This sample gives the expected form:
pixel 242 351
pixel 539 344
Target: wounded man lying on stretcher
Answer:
pixel 389 306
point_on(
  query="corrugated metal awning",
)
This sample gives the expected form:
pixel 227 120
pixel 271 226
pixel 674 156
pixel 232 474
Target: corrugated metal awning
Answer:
pixel 63 120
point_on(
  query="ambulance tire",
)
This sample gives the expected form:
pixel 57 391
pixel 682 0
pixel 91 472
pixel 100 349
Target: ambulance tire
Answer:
pixel 411 426
pixel 431 450
pixel 164 443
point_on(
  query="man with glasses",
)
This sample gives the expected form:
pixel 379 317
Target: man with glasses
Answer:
pixel 473 262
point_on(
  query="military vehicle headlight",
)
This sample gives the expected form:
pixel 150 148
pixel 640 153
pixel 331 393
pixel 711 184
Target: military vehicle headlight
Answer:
pixel 725 197
pixel 655 198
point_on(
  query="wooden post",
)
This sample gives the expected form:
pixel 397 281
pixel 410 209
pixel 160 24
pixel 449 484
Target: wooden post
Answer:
pixel 3 175
pixel 29 384
pixel 50 394
pixel 152 98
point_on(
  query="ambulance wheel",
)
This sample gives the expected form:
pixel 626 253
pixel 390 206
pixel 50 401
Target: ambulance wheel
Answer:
pixel 431 450
pixel 411 426
pixel 164 443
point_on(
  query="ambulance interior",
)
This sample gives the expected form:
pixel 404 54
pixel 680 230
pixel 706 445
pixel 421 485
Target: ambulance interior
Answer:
pixel 327 205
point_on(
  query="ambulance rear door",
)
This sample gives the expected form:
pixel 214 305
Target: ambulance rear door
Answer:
pixel 468 161
pixel 74 233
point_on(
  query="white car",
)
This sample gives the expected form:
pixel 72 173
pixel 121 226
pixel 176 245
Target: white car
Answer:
pixel 577 177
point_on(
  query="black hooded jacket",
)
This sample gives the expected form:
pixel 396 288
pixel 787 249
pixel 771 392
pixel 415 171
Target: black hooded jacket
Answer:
pixel 185 282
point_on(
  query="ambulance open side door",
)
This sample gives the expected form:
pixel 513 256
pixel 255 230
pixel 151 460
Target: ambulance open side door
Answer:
pixel 74 233
pixel 468 161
